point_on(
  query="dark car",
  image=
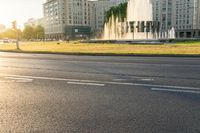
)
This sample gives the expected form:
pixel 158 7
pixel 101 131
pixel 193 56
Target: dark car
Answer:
pixel 5 41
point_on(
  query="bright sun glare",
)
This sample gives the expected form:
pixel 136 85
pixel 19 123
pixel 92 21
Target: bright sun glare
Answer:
pixel 19 10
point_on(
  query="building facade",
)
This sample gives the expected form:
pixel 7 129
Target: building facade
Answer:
pixel 66 19
pixel 162 12
pixel 183 15
pixel 187 18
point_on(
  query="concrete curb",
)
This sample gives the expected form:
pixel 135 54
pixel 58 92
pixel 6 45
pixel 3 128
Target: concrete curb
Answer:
pixel 105 54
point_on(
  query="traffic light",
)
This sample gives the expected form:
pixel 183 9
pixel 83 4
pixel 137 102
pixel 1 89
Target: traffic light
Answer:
pixel 14 25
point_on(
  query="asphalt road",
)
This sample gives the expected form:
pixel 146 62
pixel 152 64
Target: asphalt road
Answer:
pixel 98 94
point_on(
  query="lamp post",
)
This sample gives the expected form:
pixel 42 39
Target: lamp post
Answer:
pixel 14 27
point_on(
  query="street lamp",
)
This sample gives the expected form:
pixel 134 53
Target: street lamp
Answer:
pixel 14 27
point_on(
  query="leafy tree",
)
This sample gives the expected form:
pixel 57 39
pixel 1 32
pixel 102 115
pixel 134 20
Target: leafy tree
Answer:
pixel 119 11
pixel 39 32
pixel 28 33
pixel 10 33
pixel 33 32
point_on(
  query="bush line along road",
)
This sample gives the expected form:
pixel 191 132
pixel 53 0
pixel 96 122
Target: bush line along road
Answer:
pixel 62 93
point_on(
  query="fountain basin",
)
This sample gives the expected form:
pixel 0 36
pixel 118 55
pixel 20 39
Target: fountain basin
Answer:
pixel 138 41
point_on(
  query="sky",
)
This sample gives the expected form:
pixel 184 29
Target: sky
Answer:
pixel 19 10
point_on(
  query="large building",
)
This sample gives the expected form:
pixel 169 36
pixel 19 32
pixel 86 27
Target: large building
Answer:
pixel 162 12
pixel 183 15
pixel 66 19
pixel 187 18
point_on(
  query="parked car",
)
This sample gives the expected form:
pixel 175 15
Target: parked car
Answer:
pixel 5 40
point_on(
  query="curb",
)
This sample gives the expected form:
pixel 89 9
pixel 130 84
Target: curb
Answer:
pixel 105 54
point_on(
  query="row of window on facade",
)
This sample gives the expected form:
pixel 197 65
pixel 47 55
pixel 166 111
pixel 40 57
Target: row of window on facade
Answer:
pixel 70 22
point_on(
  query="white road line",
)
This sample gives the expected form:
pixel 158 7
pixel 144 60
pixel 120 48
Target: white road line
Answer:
pixel 81 83
pixel 147 79
pixel 17 78
pixel 176 90
pixel 102 82
pixel 140 79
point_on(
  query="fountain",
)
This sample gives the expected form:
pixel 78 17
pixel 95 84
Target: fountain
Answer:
pixel 139 24
pixel 138 27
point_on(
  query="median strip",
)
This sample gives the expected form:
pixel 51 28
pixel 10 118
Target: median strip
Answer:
pixel 106 49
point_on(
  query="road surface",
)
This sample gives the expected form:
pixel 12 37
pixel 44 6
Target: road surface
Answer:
pixel 99 94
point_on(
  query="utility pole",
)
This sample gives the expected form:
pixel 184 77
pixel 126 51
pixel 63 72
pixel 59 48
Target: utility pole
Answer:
pixel 14 27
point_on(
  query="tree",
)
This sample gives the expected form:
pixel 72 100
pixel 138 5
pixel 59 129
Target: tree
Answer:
pixel 119 11
pixel 10 33
pixel 33 32
pixel 39 32
pixel 28 33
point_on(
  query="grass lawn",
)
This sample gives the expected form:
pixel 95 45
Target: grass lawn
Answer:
pixel 180 48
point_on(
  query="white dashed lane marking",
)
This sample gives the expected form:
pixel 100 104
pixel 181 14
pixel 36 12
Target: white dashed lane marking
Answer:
pixel 175 90
pixel 147 79
pixel 153 87
pixel 83 83
pixel 15 80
